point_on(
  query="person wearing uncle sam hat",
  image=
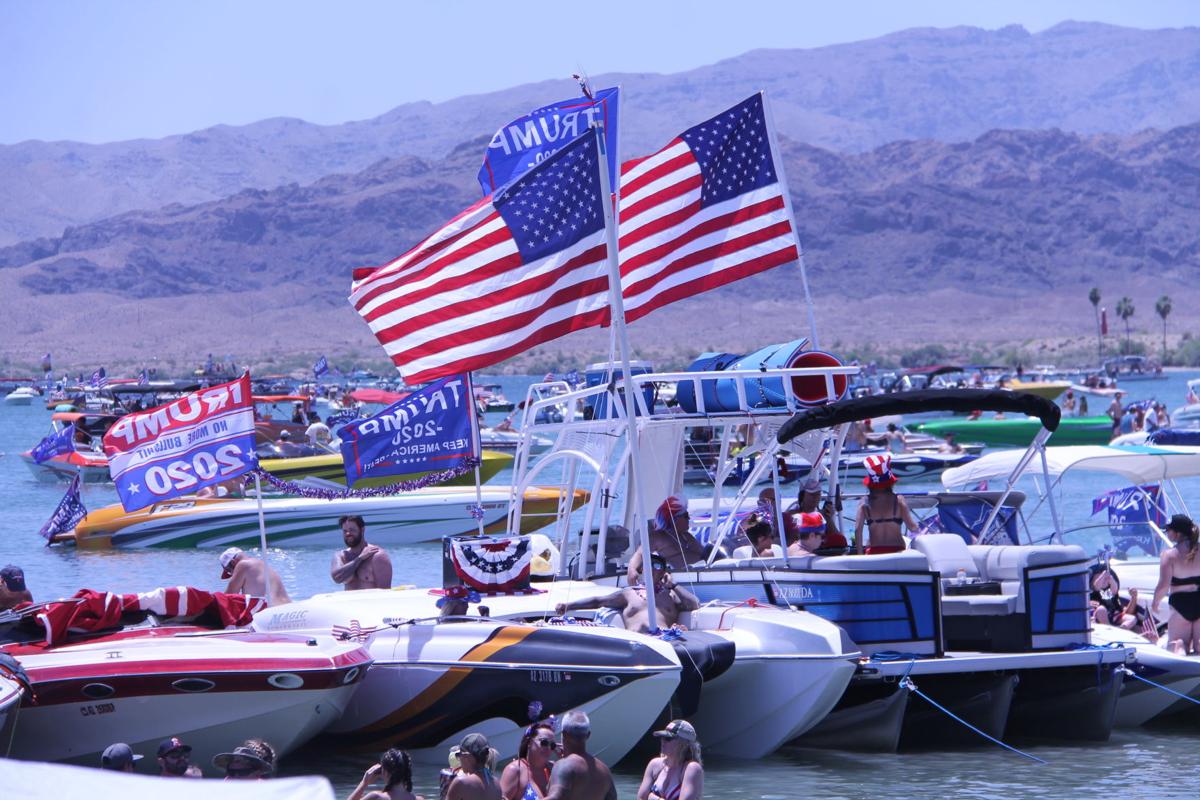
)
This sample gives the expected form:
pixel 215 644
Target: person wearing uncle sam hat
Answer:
pixel 678 772
pixel 882 511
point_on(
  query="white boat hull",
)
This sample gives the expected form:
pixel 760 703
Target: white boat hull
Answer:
pixel 1140 702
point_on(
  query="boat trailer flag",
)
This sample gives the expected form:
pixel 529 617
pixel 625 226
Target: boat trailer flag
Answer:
pixel 56 444
pixel 68 514
pixel 199 440
pixel 527 141
pixel 428 430
pixel 1130 510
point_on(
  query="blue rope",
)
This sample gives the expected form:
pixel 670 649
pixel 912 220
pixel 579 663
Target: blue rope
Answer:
pixel 1133 674
pixel 908 684
pixel 1100 648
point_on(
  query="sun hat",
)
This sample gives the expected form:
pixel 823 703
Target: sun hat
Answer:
pixel 812 483
pixel 879 471
pixel 458 592
pixel 222 760
pixel 678 729
pixel 227 559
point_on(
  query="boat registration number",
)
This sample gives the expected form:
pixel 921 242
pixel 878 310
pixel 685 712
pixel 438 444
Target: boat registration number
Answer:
pixel 548 676
pixel 96 710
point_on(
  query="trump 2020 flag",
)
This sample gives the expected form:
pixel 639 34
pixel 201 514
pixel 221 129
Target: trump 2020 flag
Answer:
pixel 527 141
pixel 429 430
pixel 199 440
pixel 518 268
pixel 1130 510
pixel 56 444
pixel 67 515
pixel 321 367
pixel 706 210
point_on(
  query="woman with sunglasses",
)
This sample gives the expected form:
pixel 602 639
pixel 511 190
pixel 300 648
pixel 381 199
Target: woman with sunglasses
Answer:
pixel 252 760
pixel 677 774
pixel 395 770
pixel 527 777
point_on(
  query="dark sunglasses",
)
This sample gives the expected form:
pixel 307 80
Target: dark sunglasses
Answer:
pixel 240 772
pixel 545 743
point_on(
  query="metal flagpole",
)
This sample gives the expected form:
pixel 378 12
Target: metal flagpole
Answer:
pixel 262 523
pixel 617 303
pixel 477 450
pixel 776 154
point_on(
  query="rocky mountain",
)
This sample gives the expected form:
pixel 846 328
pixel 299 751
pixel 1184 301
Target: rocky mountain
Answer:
pixel 948 85
pixel 924 240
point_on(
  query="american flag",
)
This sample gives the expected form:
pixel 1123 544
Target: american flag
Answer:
pixel 518 268
pixel 706 210
pixel 100 379
pixel 355 632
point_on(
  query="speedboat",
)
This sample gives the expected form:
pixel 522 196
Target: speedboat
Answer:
pixel 13 684
pixel 332 468
pixel 86 459
pixel 1019 432
pixel 436 679
pixel 1141 701
pixel 21 396
pixel 97 681
pixel 511 440
pixel 421 515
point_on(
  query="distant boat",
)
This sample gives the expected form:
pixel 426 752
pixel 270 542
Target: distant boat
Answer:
pixel 21 396
pixel 1019 431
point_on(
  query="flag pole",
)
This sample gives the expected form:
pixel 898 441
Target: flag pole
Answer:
pixel 262 523
pixel 616 301
pixel 776 158
pixel 477 447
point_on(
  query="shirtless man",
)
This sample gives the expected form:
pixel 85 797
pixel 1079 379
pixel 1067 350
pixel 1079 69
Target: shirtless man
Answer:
pixel 670 601
pixel 360 565
pixel 670 538
pixel 13 591
pixel 252 576
pixel 579 775
pixel 473 781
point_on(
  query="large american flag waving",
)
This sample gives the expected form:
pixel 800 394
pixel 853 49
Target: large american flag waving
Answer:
pixel 528 264
pixel 704 211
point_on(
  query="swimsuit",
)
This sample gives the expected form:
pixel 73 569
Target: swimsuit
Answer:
pixel 673 793
pixel 880 549
pixel 1187 604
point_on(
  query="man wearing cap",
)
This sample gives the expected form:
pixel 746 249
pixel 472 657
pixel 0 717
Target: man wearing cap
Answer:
pixel 252 576
pixel 810 499
pixel 360 565
pixel 474 780
pixel 670 538
pixel 670 601
pixel 579 775
pixel 173 760
pixel 13 591
pixel 119 757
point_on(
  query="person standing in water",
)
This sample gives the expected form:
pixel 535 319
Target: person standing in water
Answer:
pixel 882 512
pixel 1179 576
pixel 252 576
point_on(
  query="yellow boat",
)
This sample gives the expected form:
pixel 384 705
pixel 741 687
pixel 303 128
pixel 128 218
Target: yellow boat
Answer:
pixel 331 468
pixel 423 515
pixel 1047 389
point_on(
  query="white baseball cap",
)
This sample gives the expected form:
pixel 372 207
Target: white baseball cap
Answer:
pixel 227 559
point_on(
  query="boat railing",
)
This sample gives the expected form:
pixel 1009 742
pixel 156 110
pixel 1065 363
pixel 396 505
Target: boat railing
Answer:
pixel 1117 540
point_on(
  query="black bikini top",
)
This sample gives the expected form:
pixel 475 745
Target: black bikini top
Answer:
pixel 1192 581
pixel 897 520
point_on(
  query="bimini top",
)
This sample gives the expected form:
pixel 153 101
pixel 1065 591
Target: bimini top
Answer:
pixel 920 402
pixel 1135 464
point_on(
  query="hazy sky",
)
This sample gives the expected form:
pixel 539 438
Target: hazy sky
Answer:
pixel 102 71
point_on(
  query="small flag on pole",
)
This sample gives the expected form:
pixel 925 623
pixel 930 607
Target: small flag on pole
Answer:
pixel 55 444
pixel 143 378
pixel 100 379
pixel 321 367
pixel 68 514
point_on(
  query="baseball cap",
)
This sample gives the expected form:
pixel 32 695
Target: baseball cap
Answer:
pixel 171 745
pixel 13 578
pixel 475 744
pixel 227 560
pixel 678 729
pixel 118 756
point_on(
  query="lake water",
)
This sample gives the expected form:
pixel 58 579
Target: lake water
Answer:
pixel 1133 764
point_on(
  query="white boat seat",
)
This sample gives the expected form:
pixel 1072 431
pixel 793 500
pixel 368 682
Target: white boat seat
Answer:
pixel 906 561
pixel 947 554
pixel 1008 563
pixel 778 562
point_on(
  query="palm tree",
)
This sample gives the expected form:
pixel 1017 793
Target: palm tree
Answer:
pixel 1125 311
pixel 1163 309
pixel 1094 297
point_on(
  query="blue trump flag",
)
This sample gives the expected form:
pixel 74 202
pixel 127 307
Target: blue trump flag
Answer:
pixel 429 430
pixel 321 367
pixel 529 140
pixel 1130 510
pixel 56 444
pixel 68 514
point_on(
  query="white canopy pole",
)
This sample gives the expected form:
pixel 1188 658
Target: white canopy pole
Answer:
pixel 1038 444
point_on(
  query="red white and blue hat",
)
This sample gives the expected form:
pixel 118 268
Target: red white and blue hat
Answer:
pixel 810 522
pixel 879 471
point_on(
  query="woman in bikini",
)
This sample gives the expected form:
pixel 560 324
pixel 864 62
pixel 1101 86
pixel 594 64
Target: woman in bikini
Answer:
pixel 1179 576
pixel 527 777
pixel 678 773
pixel 882 511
